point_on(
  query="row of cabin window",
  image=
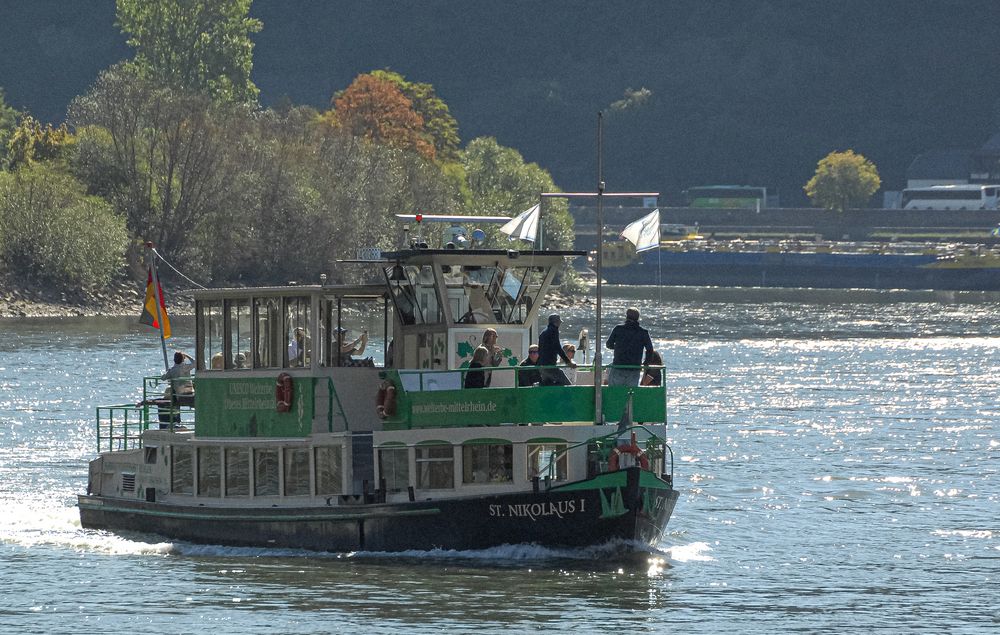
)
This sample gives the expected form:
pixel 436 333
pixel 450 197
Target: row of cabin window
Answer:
pixel 265 471
pixel 481 464
pixel 234 337
pixel 435 468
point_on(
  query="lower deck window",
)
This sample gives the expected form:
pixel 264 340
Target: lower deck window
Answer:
pixel 436 467
pixel 237 472
pixel 297 471
pixel 181 471
pixel 209 471
pixel 394 468
pixel 265 472
pixel 487 463
pixel 541 463
pixel 329 479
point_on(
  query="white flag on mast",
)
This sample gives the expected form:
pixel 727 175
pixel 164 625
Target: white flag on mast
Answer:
pixel 644 233
pixel 524 225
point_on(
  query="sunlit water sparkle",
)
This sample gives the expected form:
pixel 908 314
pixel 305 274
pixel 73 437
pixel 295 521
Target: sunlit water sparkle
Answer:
pixel 836 455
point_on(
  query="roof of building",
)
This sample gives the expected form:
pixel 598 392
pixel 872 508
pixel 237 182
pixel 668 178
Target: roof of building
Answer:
pixel 991 147
pixel 941 164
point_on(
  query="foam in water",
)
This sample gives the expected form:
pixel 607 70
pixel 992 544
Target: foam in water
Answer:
pixel 31 524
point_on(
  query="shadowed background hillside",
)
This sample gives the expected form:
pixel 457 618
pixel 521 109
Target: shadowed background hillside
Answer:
pixel 696 92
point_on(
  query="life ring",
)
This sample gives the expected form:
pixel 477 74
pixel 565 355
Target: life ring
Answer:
pixel 283 391
pixel 634 450
pixel 385 402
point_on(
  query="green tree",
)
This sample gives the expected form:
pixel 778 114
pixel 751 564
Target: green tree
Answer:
pixel 500 182
pixel 175 155
pixel 8 121
pixel 30 142
pixel 56 235
pixel 843 180
pixel 438 122
pixel 193 45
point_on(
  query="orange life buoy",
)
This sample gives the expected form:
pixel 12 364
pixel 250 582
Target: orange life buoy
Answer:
pixel 634 450
pixel 283 393
pixel 385 402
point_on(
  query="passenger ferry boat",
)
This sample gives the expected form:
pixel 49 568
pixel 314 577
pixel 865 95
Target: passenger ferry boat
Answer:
pixel 305 446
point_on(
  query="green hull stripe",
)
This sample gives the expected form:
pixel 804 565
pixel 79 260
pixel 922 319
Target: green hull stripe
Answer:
pixel 260 518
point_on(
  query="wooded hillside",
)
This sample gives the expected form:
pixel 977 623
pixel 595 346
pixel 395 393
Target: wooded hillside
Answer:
pixel 696 92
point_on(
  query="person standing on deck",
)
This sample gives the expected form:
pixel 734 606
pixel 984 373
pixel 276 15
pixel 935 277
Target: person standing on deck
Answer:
pixel 549 349
pixel 179 376
pixel 495 352
pixel 628 340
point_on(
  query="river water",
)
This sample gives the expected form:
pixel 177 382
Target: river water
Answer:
pixel 837 458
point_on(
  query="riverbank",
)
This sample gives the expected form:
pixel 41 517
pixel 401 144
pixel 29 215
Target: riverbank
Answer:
pixel 123 298
pixel 120 298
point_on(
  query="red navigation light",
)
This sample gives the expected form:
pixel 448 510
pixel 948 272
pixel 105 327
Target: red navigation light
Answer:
pixel 420 217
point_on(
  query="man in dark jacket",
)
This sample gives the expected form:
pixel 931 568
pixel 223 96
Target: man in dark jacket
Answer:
pixel 549 349
pixel 628 340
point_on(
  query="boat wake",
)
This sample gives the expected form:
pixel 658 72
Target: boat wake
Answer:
pixel 32 524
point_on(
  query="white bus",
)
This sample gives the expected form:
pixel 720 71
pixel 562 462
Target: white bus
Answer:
pixel 952 197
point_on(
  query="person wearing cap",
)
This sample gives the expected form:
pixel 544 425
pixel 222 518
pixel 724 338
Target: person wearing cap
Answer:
pixel 357 347
pixel 549 351
pixel 628 340
pixel 529 375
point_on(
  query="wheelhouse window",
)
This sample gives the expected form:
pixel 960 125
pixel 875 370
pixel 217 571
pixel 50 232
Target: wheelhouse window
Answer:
pixel 181 470
pixel 487 462
pixel 265 472
pixel 209 471
pixel 352 331
pixel 329 479
pixel 414 294
pixel 210 330
pixel 394 468
pixel 435 466
pixel 547 459
pixel 269 348
pixel 297 336
pixel 494 295
pixel 237 472
pixel 239 328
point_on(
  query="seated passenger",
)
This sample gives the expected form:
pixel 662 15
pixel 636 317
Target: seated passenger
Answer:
pixel 653 376
pixel 357 347
pixel 530 376
pixel 217 361
pixel 297 348
pixel 477 378
pixel 570 372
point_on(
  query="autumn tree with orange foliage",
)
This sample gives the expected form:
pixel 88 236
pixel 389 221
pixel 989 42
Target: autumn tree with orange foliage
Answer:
pixel 377 110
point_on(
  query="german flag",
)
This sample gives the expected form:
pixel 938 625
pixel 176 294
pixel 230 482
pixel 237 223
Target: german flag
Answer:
pixel 149 308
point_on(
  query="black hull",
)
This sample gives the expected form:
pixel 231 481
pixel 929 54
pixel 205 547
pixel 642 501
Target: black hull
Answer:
pixel 821 271
pixel 572 516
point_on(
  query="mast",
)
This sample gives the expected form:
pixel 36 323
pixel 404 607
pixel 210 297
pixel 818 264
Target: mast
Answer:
pixel 598 375
pixel 600 194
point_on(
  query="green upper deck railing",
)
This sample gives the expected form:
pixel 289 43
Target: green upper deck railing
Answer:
pixel 432 399
pixel 120 426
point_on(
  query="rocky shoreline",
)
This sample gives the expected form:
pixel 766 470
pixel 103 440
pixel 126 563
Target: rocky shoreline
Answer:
pixel 124 298
pixel 120 298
